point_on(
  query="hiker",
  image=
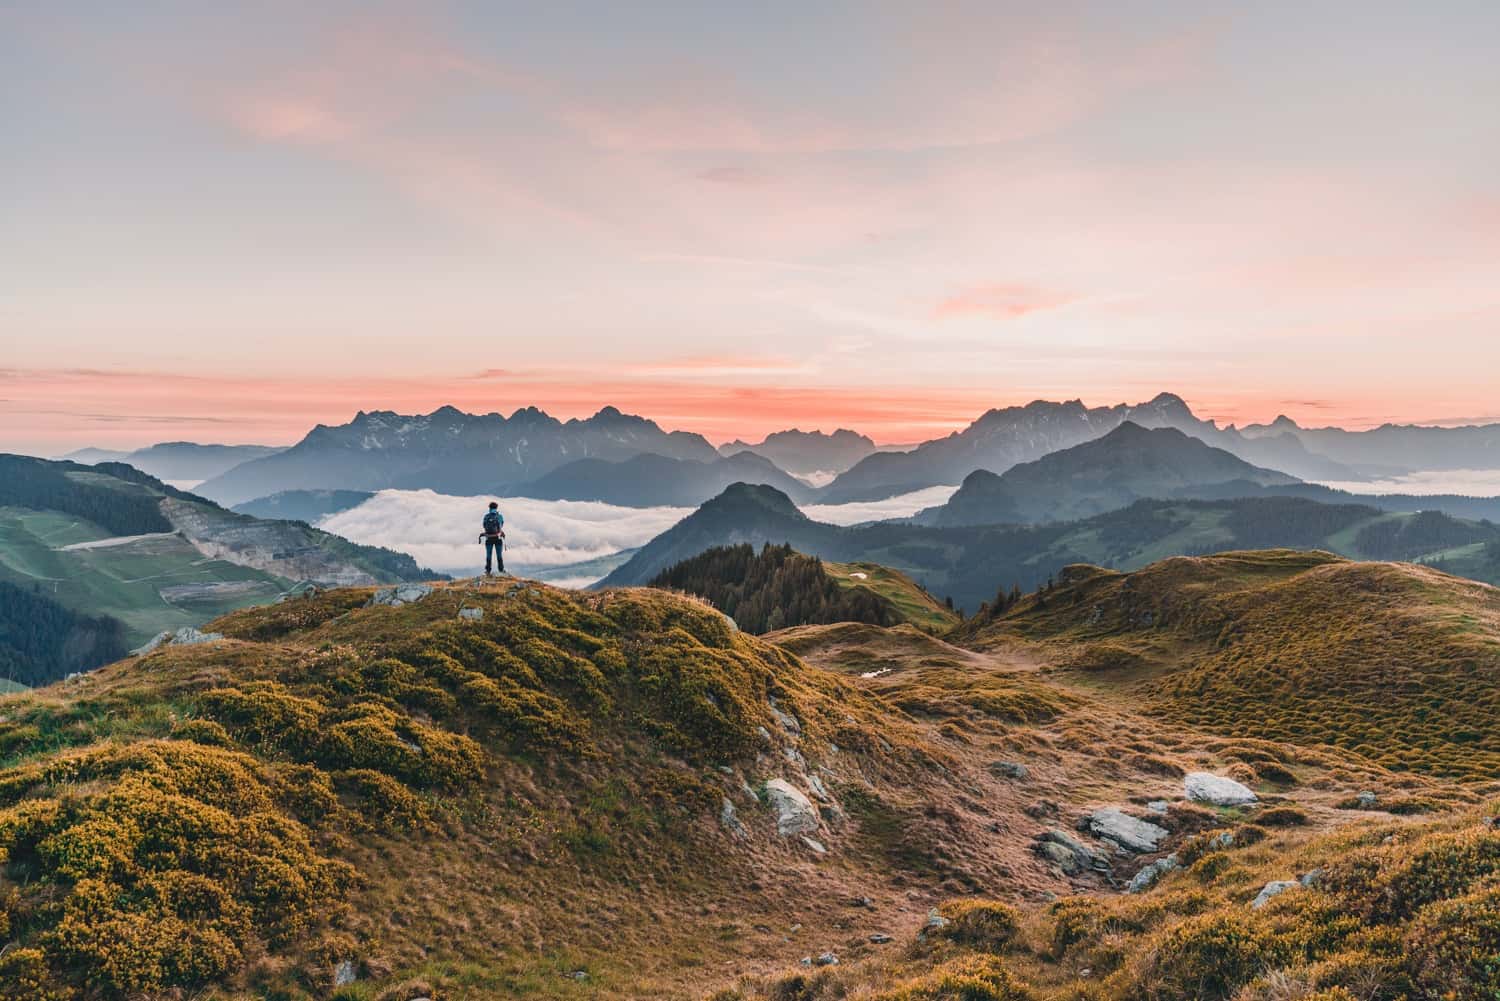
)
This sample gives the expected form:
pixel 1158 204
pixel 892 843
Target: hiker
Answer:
pixel 493 539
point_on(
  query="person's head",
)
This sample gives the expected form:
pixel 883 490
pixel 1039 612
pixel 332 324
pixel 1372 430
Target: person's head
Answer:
pixel 494 506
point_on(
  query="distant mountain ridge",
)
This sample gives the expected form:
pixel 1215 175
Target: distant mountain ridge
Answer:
pixel 449 451
pixel 650 480
pixel 1394 449
pixel 1000 439
pixel 807 453
pixel 178 460
pixel 1127 464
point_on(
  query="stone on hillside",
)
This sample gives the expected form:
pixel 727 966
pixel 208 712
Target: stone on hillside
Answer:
pixel 1271 889
pixel 343 973
pixel 794 811
pixel 1158 807
pixel 880 938
pixel 1147 877
pixel 1312 877
pixel 472 614
pixel 1216 790
pixel 401 594
pixel 817 846
pixel 730 819
pixel 1125 830
pixel 1067 852
pixel 185 636
pixel 786 719
pixel 1366 800
pixel 826 959
pixel 935 920
pixel 1009 770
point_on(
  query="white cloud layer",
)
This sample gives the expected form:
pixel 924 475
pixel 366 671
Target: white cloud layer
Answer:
pixel 903 506
pixel 441 531
pixel 1465 482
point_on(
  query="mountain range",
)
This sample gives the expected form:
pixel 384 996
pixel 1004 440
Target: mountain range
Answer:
pixel 1127 464
pixel 450 452
pixel 808 453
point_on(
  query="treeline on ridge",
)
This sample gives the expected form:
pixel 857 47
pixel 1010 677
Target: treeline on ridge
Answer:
pixel 775 588
pixel 44 486
pixel 41 641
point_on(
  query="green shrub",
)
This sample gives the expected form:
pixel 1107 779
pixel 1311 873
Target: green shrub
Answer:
pixel 979 924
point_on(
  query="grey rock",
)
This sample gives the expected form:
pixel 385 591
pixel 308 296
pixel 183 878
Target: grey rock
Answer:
pixel 826 959
pixel 935 920
pixel 401 594
pixel 786 719
pixel 881 938
pixel 729 819
pixel 817 846
pixel 1311 878
pixel 1147 877
pixel 794 811
pixel 818 788
pixel 1216 790
pixel 1126 831
pixel 764 733
pixel 1271 889
pixel 185 636
pixel 1158 807
pixel 472 614
pixel 1009 770
pixel 343 973
pixel 1366 800
pixel 1067 852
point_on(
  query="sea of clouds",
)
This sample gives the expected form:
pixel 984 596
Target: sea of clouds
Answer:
pixel 441 531
pixel 1464 482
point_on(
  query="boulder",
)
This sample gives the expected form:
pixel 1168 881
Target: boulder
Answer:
pixel 472 614
pixel 1125 830
pixel 795 813
pixel 1147 877
pixel 401 594
pixel 788 722
pixel 1366 800
pixel 1010 770
pixel 1067 852
pixel 1216 790
pixel 1271 889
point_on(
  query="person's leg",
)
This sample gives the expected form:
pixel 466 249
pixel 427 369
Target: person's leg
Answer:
pixel 500 556
pixel 489 547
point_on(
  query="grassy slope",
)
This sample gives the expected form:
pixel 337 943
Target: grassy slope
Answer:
pixel 429 797
pixel 119 581
pixel 1394 661
pixel 914 604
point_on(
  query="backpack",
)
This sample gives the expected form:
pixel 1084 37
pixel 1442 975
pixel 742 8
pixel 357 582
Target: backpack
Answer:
pixel 492 523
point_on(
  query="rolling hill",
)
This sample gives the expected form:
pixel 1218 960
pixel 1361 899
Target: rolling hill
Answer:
pixel 970 563
pixel 303 505
pixel 108 542
pixel 1128 464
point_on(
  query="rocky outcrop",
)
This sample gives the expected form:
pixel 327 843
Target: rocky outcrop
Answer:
pixel 1271 889
pixel 795 813
pixel 402 594
pixel 1216 790
pixel 1069 854
pixel 1147 877
pixel 186 636
pixel 1126 831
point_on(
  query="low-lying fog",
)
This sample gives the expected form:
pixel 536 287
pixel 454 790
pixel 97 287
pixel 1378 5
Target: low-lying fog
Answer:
pixel 442 531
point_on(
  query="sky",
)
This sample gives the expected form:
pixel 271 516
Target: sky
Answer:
pixel 229 222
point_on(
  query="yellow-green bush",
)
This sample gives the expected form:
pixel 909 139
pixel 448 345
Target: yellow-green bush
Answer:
pixel 1453 947
pixel 970 978
pixel 979 924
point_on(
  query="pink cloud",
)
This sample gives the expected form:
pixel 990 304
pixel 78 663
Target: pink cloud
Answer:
pixel 1005 302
